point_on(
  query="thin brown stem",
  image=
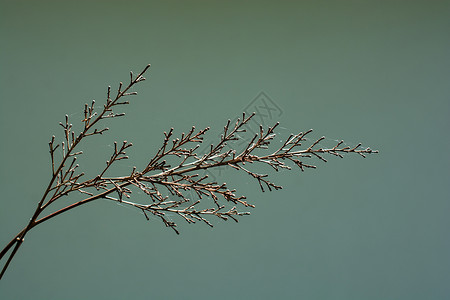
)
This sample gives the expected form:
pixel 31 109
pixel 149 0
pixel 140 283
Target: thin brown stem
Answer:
pixel 67 146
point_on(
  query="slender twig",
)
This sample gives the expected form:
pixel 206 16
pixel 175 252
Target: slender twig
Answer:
pixel 68 145
pixel 176 189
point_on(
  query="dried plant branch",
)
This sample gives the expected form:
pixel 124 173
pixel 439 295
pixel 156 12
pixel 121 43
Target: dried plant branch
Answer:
pixel 176 188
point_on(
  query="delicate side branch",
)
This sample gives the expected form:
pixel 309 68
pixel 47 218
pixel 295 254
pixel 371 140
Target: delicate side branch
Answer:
pixel 64 178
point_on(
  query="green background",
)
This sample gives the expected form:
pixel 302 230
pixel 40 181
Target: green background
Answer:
pixel 371 71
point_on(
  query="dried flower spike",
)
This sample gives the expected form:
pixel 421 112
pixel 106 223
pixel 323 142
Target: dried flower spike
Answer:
pixel 176 188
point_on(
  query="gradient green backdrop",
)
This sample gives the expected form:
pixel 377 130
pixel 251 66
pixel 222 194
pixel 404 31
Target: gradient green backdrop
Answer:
pixel 371 71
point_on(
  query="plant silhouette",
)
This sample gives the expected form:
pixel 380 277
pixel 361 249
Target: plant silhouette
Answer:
pixel 169 187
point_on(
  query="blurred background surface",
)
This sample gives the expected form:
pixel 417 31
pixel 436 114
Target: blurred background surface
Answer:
pixel 375 72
